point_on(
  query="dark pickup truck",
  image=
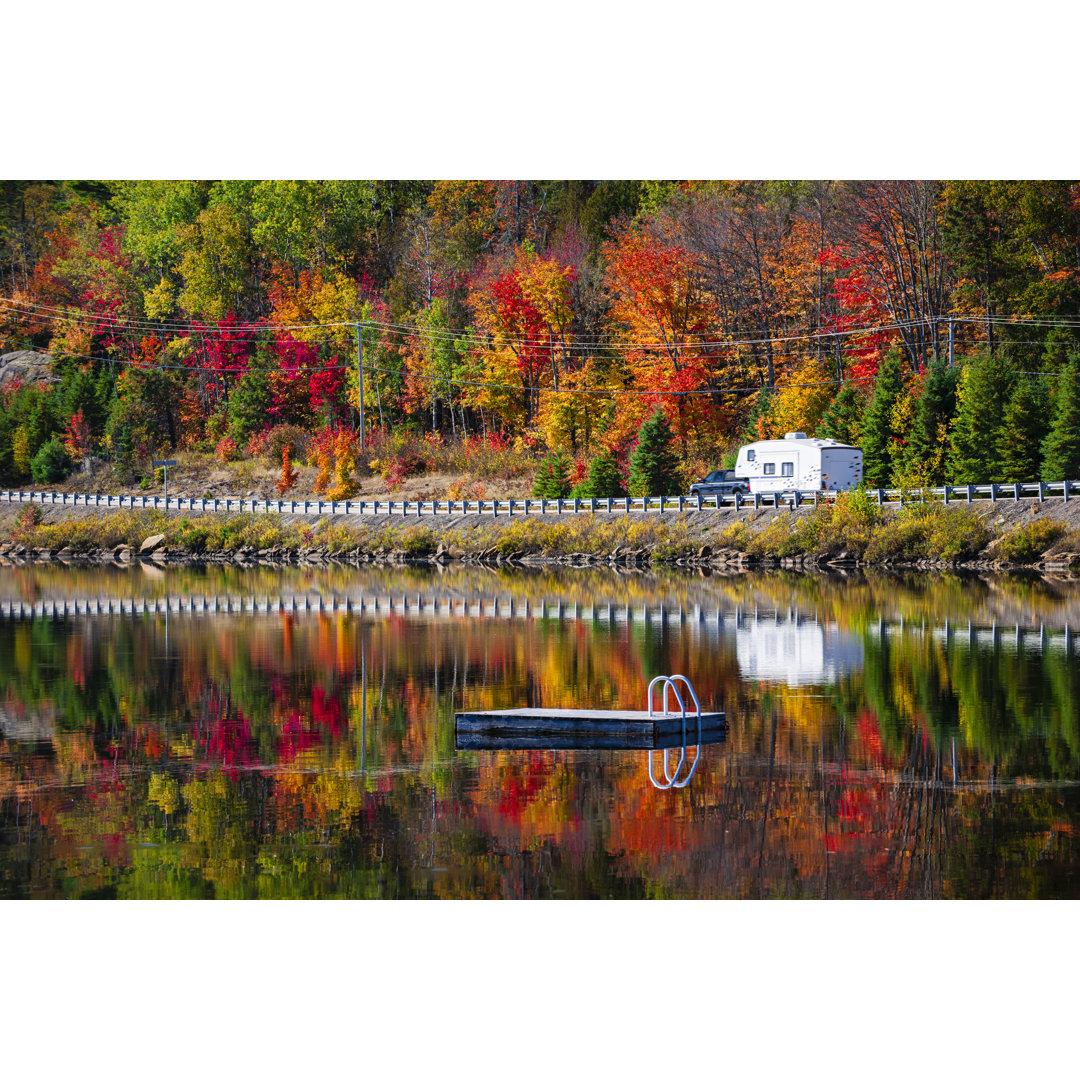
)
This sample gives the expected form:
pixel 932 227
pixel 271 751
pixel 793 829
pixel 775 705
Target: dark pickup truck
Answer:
pixel 720 482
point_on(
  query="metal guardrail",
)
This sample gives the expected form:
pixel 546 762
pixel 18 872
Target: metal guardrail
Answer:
pixel 654 504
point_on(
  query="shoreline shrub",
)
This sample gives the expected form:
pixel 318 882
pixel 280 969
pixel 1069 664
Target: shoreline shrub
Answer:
pixel 1027 543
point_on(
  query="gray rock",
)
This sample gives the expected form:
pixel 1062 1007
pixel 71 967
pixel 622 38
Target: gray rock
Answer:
pixel 29 367
pixel 152 543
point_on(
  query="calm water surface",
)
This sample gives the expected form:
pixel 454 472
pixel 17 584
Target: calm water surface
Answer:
pixel 290 733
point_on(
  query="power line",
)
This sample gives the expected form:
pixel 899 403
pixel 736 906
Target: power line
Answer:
pixel 451 380
pixel 577 343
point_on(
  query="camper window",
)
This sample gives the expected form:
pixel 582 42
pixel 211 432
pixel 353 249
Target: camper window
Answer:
pixel 751 454
pixel 788 468
pixel 769 468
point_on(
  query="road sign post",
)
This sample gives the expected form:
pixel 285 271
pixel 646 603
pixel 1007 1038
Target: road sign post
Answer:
pixel 165 465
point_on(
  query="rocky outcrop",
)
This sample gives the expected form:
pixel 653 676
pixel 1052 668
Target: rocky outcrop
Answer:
pixel 27 367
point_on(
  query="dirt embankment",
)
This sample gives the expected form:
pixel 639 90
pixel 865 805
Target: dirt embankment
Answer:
pixel 707 537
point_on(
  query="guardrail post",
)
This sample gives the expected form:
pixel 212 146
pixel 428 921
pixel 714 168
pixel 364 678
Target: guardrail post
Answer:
pixel 628 504
pixel 1065 490
pixel 1016 492
pixel 1042 491
pixel 993 493
pixel 558 506
pixel 879 496
pixel 945 489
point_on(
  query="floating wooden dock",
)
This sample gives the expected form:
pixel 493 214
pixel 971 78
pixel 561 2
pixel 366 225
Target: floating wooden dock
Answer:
pixel 614 728
pixel 590 740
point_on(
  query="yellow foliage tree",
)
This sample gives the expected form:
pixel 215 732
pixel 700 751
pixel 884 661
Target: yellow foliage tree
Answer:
pixel 800 405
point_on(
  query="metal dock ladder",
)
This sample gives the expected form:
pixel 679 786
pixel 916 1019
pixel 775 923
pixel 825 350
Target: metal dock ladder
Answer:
pixel 672 778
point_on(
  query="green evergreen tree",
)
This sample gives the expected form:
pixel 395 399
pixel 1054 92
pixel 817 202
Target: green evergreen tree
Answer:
pixel 41 422
pixel 758 419
pixel 51 463
pixel 877 432
pixel 1023 430
pixel 936 408
pixel 82 393
pixel 654 466
pixel 553 478
pixel 249 404
pixel 975 439
pixel 841 419
pixel 7 455
pixel 604 481
pixel 1061 450
pixel 1057 348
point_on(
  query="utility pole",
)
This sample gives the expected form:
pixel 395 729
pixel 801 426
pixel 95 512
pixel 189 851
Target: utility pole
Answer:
pixel 951 339
pixel 360 379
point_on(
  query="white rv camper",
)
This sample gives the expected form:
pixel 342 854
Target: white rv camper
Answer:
pixel 796 463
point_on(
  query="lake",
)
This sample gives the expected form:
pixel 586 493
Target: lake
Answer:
pixel 289 733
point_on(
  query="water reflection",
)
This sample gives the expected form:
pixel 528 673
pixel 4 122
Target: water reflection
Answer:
pixel 920 738
pixel 796 652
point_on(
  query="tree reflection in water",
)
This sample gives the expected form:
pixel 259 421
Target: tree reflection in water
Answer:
pixel 885 738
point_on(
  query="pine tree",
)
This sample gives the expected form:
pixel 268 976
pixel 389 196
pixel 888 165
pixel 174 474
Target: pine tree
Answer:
pixel 759 421
pixel 975 439
pixel 1023 430
pixel 604 481
pixel 877 428
pixel 841 419
pixel 936 408
pixel 249 405
pixel 937 405
pixel 653 466
pixel 1061 450
pixel 553 478
pixel 81 395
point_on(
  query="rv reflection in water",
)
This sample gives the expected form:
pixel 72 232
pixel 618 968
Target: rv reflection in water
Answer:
pixel 799 652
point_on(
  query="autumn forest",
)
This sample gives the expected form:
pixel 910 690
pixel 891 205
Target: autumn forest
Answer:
pixel 935 324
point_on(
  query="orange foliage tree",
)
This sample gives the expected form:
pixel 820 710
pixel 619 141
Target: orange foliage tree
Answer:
pixel 289 475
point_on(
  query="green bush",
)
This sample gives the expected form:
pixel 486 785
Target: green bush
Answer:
pixel 295 438
pixel 1028 542
pixel 51 463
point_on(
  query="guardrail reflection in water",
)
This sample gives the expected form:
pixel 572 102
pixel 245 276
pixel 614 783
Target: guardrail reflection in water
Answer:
pixel 772 645
pixel 656 504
